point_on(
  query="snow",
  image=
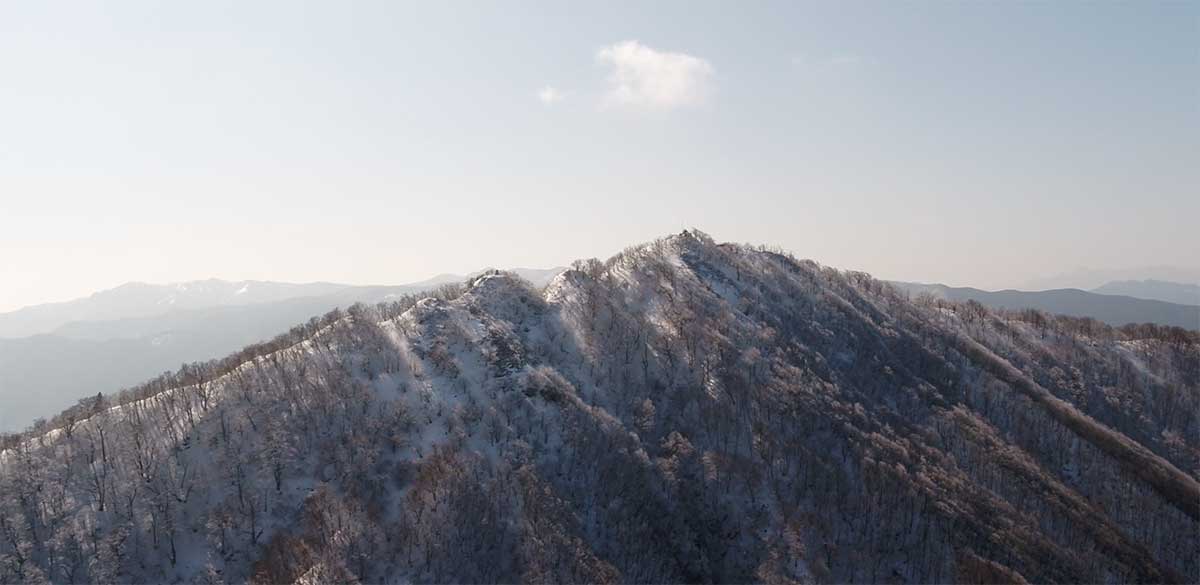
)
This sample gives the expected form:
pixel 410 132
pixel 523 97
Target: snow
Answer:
pixel 442 361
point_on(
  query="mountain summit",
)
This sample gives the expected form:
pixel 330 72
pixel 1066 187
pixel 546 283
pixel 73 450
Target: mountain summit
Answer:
pixel 684 411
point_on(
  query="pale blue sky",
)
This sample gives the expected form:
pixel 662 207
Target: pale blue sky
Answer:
pixel 972 144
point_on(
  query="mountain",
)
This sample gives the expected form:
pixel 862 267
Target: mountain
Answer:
pixel 1088 279
pixel 1159 290
pixel 685 411
pixel 45 373
pixel 1109 308
pixel 538 277
pixel 138 299
pixel 42 374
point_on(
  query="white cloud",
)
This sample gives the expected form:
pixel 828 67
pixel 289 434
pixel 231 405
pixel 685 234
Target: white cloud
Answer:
pixel 641 76
pixel 549 95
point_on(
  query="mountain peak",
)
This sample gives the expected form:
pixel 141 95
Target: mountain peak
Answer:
pixel 680 412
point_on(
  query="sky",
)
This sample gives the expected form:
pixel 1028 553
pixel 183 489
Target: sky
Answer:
pixel 385 142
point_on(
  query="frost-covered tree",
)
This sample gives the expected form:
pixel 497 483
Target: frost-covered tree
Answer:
pixel 685 411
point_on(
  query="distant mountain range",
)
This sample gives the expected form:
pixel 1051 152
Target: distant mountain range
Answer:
pixel 1091 279
pixel 137 299
pixel 51 355
pixel 1109 308
pixel 1159 290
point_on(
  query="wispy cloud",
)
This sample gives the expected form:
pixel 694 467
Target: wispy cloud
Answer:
pixel 550 95
pixel 641 76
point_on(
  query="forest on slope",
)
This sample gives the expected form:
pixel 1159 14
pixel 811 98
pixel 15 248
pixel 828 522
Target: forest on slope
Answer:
pixel 124 336
pixel 685 411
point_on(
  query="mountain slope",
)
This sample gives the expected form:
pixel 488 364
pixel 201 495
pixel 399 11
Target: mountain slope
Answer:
pixel 137 300
pixel 683 412
pixel 1159 290
pixel 42 374
pixel 106 355
pixel 1109 308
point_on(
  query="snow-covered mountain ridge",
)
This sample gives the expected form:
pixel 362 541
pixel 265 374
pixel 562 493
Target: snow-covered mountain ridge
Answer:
pixel 685 411
pixel 139 300
pixel 120 337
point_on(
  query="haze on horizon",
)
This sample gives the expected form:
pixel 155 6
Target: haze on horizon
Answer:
pixel 379 143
